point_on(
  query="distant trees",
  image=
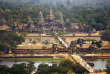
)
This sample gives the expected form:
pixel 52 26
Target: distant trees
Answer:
pixel 84 14
pixel 106 35
pixel 68 3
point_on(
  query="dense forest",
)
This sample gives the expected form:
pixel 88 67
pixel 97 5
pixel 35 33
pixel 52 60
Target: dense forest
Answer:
pixel 70 3
pixel 9 39
pixel 96 15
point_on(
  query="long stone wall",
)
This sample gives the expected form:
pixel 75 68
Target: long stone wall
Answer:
pixel 36 51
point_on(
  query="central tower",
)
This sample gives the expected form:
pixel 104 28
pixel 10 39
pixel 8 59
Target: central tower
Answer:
pixel 51 15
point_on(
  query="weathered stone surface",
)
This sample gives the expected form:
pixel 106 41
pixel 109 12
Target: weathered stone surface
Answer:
pixel 61 18
pixel 41 17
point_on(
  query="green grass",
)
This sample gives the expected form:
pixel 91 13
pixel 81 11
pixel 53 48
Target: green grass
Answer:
pixel 33 59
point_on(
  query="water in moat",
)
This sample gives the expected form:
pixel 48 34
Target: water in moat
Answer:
pixel 98 63
pixel 10 63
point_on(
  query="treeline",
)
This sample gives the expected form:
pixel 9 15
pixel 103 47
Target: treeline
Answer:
pixel 96 17
pixel 64 67
pixel 22 68
pixel 106 35
pixel 9 39
pixel 67 3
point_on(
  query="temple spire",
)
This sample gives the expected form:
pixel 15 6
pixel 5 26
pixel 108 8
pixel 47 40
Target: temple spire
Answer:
pixel 51 14
pixel 41 17
pixel 61 18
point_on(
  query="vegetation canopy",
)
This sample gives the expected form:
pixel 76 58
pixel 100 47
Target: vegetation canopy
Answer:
pixel 9 39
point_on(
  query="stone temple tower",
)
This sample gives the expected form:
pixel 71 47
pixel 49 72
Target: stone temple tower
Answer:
pixel 61 18
pixel 41 17
pixel 51 15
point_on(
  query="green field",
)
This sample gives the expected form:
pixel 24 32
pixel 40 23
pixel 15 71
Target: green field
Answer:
pixel 33 59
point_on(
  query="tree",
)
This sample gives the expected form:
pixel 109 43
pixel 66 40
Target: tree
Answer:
pixel 43 68
pixel 81 44
pixel 89 33
pixel 24 33
pixel 34 42
pixel 73 34
pixel 46 41
pixel 30 67
pixel 67 63
pixel 30 39
pixel 18 69
pixel 79 69
pixel 60 33
pixel 9 38
pixel 3 46
pixel 64 67
pixel 3 69
pixel 106 35
pixel 70 72
pixel 93 42
pixel 99 45
pixel 44 47
pixel 13 44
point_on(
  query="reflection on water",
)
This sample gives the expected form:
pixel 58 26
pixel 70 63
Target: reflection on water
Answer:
pixel 10 63
pixel 99 63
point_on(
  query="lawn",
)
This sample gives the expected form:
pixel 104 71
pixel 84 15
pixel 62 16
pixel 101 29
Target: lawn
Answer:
pixel 33 59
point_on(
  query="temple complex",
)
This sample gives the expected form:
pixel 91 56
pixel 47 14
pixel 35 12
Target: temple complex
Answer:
pixel 51 23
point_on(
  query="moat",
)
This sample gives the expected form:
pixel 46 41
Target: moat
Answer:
pixel 99 64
